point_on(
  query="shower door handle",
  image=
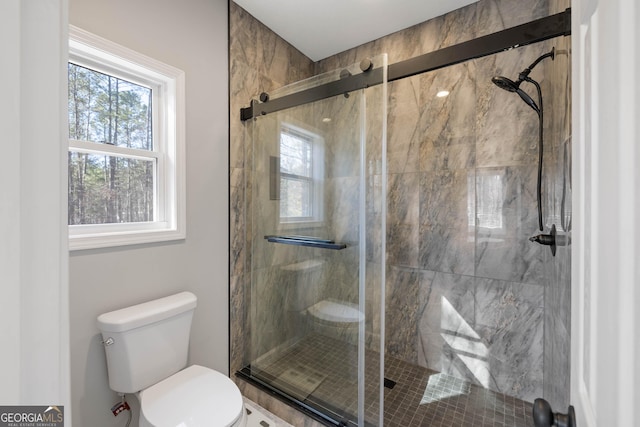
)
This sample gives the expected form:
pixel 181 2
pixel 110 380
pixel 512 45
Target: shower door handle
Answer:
pixel 313 242
pixel 543 416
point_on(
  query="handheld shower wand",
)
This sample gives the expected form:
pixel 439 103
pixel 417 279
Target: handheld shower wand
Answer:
pixel 511 86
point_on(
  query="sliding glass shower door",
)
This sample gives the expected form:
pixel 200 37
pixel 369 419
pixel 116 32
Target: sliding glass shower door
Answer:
pixel 316 221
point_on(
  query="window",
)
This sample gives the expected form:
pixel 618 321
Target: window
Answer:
pixel 301 175
pixel 485 210
pixel 126 146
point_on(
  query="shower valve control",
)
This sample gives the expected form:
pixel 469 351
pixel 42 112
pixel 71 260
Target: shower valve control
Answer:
pixel 547 239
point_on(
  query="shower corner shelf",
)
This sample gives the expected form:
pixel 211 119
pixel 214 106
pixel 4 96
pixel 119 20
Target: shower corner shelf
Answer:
pixel 308 241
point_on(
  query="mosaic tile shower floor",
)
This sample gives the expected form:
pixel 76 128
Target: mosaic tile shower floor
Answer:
pixel 420 396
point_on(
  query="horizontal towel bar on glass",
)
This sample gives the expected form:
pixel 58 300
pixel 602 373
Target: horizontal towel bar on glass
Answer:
pixel 309 241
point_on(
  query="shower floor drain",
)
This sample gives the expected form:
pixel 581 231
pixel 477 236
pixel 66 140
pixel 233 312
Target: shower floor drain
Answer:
pixel 390 384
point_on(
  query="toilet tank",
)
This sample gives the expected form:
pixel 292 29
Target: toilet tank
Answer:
pixel 148 342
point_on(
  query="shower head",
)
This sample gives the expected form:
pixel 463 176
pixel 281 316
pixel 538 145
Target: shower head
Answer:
pixel 511 86
pixel 505 83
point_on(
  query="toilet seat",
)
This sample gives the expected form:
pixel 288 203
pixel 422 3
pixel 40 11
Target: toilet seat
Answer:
pixel 194 397
pixel 338 312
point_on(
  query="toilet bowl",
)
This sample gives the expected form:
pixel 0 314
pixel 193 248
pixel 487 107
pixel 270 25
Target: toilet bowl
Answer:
pixel 305 300
pixel 146 347
pixel 336 319
pixel 195 396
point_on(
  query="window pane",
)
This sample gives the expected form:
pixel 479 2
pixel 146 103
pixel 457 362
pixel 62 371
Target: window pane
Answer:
pixel 108 110
pixel 108 189
pixel 295 153
pixel 490 200
pixel 295 198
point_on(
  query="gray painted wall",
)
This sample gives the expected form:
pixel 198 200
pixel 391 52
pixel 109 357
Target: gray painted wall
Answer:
pixel 190 35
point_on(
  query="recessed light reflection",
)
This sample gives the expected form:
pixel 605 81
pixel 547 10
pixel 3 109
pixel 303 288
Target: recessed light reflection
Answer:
pixel 442 93
pixel 326 120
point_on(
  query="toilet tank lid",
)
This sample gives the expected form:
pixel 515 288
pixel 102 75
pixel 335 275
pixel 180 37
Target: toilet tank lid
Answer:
pixel 146 313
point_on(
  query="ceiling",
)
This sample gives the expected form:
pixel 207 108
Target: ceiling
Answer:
pixel 321 28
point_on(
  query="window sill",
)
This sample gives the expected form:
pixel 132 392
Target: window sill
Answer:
pixel 293 225
pixel 87 241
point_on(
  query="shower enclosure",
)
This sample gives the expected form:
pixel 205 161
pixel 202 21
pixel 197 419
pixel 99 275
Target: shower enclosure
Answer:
pixel 425 289
pixel 316 215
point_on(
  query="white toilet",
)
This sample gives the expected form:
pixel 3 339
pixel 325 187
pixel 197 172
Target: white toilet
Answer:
pixel 336 319
pixel 329 317
pixel 146 347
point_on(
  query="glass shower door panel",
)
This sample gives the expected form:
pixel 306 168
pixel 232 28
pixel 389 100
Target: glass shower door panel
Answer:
pixel 317 259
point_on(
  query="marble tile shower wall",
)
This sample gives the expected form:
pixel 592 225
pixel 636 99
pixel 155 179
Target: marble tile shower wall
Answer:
pixel 466 293
pixel 288 279
pixel 259 61
pixel 461 207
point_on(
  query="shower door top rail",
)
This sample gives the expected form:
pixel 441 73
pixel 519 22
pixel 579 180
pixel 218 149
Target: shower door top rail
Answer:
pixel 535 31
pixel 345 85
pixel 309 241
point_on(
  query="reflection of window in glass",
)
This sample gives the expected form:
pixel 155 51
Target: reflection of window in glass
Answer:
pixel 486 212
pixel 301 175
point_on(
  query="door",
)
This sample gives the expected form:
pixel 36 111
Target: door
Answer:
pixel 606 183
pixel 316 200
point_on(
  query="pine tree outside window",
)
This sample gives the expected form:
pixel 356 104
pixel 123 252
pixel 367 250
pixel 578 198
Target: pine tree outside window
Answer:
pixel 126 146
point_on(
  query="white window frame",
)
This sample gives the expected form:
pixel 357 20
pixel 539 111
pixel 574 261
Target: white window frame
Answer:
pixel 168 100
pixel 317 177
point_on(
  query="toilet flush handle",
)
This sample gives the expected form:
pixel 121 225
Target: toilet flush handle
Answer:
pixel 108 342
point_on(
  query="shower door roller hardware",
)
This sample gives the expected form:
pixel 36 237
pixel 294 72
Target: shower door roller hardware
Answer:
pixel 521 35
pixel 109 341
pixel 543 416
pixel 366 65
